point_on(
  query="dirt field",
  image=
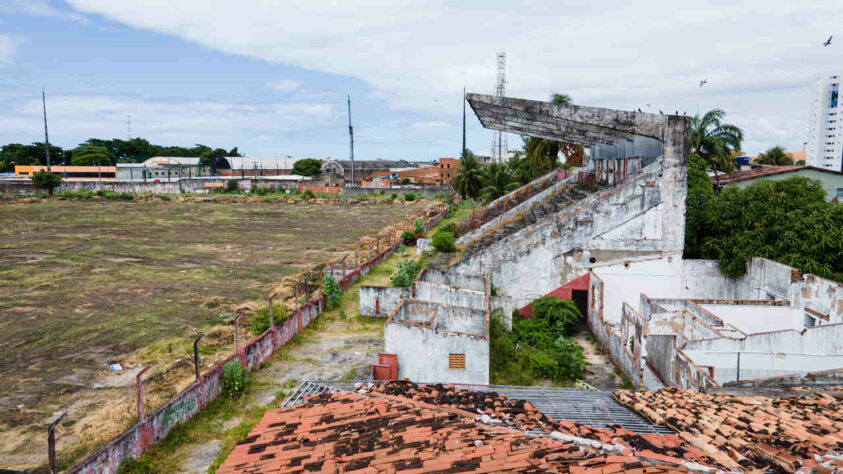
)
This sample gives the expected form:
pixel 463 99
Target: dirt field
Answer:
pixel 87 283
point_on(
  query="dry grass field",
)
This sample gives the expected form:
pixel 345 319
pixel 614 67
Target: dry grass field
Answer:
pixel 87 283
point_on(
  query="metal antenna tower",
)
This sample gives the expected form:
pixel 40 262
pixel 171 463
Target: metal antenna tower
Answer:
pixel 499 142
pixel 351 140
pixel 46 135
pixel 129 127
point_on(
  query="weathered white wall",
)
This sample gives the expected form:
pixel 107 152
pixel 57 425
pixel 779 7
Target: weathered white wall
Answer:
pixel 626 281
pixel 758 318
pixel 771 353
pixel 423 355
pixel 451 295
pixel 383 298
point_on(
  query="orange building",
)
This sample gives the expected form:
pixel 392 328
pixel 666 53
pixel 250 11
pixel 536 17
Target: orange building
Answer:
pixel 89 173
pixel 428 175
pixel 448 168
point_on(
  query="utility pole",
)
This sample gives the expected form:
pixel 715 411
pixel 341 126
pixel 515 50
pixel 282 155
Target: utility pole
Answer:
pixel 351 140
pixel 462 153
pixel 46 136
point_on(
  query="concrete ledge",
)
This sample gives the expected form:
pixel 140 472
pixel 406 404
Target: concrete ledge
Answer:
pixel 381 301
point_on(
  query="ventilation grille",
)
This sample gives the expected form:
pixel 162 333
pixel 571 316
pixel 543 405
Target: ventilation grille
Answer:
pixel 456 361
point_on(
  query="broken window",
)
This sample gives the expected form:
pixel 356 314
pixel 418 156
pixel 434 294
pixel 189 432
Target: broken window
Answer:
pixel 456 361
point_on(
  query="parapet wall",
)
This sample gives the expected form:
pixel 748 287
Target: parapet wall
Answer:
pixel 381 301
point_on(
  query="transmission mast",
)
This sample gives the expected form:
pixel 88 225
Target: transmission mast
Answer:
pixel 351 140
pixel 46 135
pixel 499 144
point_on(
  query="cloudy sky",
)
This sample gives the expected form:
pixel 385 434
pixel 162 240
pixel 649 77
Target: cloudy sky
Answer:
pixel 271 76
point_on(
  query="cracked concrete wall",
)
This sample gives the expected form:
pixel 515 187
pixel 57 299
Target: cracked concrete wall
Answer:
pixel 442 293
pixel 381 301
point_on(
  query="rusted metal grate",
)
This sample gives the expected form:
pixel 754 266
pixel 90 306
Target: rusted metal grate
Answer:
pixel 456 361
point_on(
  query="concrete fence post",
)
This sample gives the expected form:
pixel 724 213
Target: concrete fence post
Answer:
pixel 51 442
pixel 140 391
pixel 343 265
pixel 296 295
pixel 196 354
pixel 307 287
pixel 271 315
pixel 237 333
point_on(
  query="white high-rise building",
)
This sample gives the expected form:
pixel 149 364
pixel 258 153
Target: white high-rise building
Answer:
pixel 825 141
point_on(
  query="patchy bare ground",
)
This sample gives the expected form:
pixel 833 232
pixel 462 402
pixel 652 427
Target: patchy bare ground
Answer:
pixel 87 283
pixel 600 372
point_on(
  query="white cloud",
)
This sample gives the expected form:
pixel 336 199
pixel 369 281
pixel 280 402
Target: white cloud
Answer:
pixel 426 126
pixel 42 9
pixel 8 47
pixel 220 123
pixel 610 53
pixel 284 85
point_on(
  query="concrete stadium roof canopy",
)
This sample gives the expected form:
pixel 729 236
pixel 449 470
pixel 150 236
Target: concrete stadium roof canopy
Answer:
pixel 573 124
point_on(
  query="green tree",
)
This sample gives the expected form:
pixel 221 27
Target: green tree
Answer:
pixel 497 180
pixel 556 311
pixel 714 140
pixel 307 167
pixel 774 156
pixel 215 159
pixel 46 180
pixel 90 155
pixel 700 193
pixel 788 221
pixel 30 155
pixel 468 181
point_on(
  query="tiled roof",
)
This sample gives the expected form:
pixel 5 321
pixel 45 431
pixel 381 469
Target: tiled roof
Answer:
pixel 755 173
pixel 756 432
pixel 376 432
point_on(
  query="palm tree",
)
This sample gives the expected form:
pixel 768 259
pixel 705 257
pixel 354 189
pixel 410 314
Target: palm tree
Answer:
pixel 774 156
pixel 714 140
pixel 467 182
pixel 497 181
pixel 542 153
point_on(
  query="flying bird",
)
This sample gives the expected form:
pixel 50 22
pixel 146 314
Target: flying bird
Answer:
pixel 684 112
pixel 828 41
pixel 703 82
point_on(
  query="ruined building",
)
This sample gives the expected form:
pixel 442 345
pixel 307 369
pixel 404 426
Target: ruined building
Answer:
pixel 611 236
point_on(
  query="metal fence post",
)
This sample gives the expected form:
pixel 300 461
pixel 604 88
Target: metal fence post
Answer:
pixel 196 354
pixel 738 375
pixel 51 442
pixel 140 392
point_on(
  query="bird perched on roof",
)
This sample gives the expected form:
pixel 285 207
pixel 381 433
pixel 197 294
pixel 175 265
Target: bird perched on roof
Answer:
pixel 660 112
pixel 639 110
pixel 676 113
pixel 703 82
pixel 828 41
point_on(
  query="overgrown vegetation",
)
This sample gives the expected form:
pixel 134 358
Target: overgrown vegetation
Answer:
pixel 331 291
pixel 235 377
pixel 537 348
pixel 788 221
pixel 260 320
pixel 408 237
pixel 443 241
pixel 418 226
pixel 231 185
pixel 406 272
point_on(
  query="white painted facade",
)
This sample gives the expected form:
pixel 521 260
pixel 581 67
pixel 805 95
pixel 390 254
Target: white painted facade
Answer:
pixel 825 137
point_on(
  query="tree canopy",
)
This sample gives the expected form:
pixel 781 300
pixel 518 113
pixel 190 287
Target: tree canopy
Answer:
pixel 714 140
pixel 307 167
pixel 788 221
pixel 467 182
pixel 90 155
pixel 774 156
pixel 46 180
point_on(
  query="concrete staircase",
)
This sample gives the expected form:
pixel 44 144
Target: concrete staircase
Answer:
pixel 518 219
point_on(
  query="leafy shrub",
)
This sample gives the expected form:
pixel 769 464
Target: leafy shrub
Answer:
pixel 443 241
pixel 331 291
pixel 130 465
pixel 46 180
pixel 393 197
pixel 308 194
pixel 401 249
pixel 261 191
pixel 409 237
pixel 235 378
pixel 405 273
pixel 405 180
pixel 231 185
pixel 410 197
pixel 418 226
pixel 260 319
pixel 556 311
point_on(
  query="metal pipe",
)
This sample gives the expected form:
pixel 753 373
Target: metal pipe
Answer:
pixel 196 354
pixel 738 375
pixel 51 442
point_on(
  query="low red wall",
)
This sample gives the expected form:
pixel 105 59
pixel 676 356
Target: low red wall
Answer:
pixel 563 292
